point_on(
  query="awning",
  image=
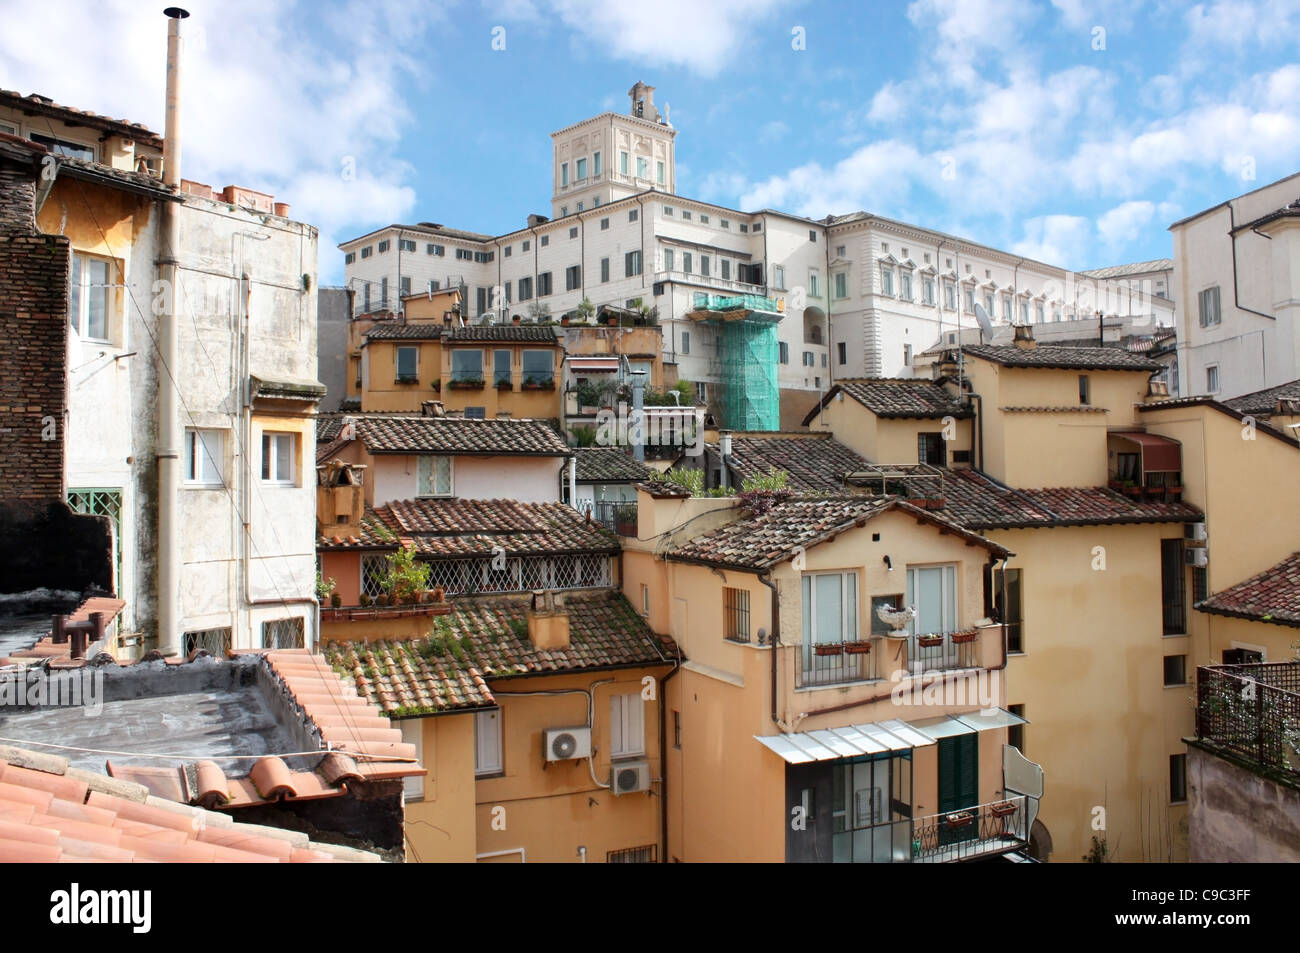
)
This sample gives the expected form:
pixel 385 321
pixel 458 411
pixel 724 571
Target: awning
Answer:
pixel 1159 454
pixel 590 364
pixel 853 741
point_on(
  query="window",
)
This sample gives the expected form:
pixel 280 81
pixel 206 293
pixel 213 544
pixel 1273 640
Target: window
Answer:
pixel 626 725
pixel 284 634
pixel 809 359
pixel 1016 733
pixel 539 366
pixel 404 283
pixel 349 258
pixel 204 456
pixel 604 224
pixel 216 642
pixel 525 289
pixel 743 228
pixel 572 277
pixel 1010 607
pixel 990 306
pixel 405 244
pixel 500 366
pixel 367 251
pixel 784 357
pixel 1024 312
pixel 564 174
pixel 433 475
pixel 930 449
pixel 374 570
pixel 842 352
pixel 438 251
pixel 686 342
pixel 701 299
pixel 506 252
pixel 413 734
pixel 894 601
pixel 950 296
pixel 90 297
pixel 687 262
pixel 905 285
pixel 735 614
pixel 933 591
pixel 645 600
pixel 383 292
pixel 704 265
pixel 668 211
pixel 543 284
pixel 604 270
pixel 686 216
pixel 704 219
pixel 1006 308
pixel 970 300
pixel 545 240
pixel 1212 379
pixel 464 254
pixel 1172 599
pixel 581 169
pixel 677 729
pixel 1084 392
pixel 1208 300
pixel 406 363
pixel 487 743
pixel 1038 313
pixel 1175 670
pixel 659 172
pixel 622 163
pixel 573 232
pixel 841 285
pixel 724 223
pixel 527 244
pixel 649 854
pixel 278 453
pixel 1177 778
pixel 758 226
pixel 595 164
pixel 481 300
pixel 61 147
pixel 632 264
pixel 812 235
pixel 642 167
pixel 814 291
pixel 483 257
pixel 927 290
pixel 907 355
pixel 668 259
pixel 466 365
pixel 778 276
pixel 830 610
pixel 385 245
pixel 886 280
pixel 841 251
pixel 726 269
pixel 632 215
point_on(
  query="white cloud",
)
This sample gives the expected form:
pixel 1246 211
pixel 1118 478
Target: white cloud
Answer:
pixel 888 104
pixel 870 175
pixel 1056 239
pixel 1123 224
pixel 1086 14
pixel 265 106
pixel 967 28
pixel 1237 23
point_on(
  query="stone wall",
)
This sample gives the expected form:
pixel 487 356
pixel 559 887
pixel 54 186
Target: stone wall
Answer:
pixel 1238 816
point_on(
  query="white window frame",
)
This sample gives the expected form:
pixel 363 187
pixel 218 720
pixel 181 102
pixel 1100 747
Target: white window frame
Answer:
pixel 580 169
pixel 271 439
pixel 849 616
pixel 643 167
pixel 905 284
pixel 488 756
pixel 397 360
pixel 426 475
pixel 1212 370
pixel 927 290
pixel 626 725
pixel 213 445
pixel 778 276
pixel 948 585
pixel 887 280
pixel 80 296
pixel 1206 318
pixel 413 734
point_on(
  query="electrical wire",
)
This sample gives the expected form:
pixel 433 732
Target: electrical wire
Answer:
pixel 355 756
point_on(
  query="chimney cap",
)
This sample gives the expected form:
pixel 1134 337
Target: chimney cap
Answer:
pixel 176 13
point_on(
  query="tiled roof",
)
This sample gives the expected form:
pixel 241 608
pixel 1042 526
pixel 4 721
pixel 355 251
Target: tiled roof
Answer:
pixel 608 465
pixel 456 527
pixel 1262 402
pixel 761 542
pixel 980 503
pixel 486 639
pixel 1058 356
pixel 1271 596
pixel 1177 403
pixel 97 172
pixel 535 333
pixel 44 106
pixel 1071 409
pixel 897 397
pixel 814 463
pixel 399 331
pixel 52 812
pixel 430 229
pixel 373 534
pixel 459 435
pixel 1136 268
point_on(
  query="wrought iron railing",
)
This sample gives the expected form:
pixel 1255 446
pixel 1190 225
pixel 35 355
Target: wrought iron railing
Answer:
pixel 1252 711
pixel 837 663
pixel 943 651
pixel 982 830
pixel 615 515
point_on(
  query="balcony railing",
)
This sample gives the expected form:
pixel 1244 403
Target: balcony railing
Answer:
pixel 836 663
pixel 1252 711
pixel 981 831
pixel 942 652
pixel 616 516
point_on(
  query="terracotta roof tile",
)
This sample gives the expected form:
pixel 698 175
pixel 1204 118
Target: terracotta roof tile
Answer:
pixel 899 397
pixel 608 465
pixel 532 333
pixel 457 527
pixel 1263 402
pixel 1271 596
pixel 401 331
pixel 813 463
pixel 487 638
pixel 1055 356
pixel 459 436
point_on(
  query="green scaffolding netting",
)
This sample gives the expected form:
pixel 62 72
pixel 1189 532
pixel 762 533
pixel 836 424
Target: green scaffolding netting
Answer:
pixel 750 397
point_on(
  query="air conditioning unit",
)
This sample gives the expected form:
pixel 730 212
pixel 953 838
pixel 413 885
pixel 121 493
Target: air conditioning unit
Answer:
pixel 1196 531
pixel 1200 558
pixel 565 744
pixel 629 777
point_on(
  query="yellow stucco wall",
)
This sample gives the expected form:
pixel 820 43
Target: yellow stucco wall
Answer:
pixel 892 440
pixel 440 825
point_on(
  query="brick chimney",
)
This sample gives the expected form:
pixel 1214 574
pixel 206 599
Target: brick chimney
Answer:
pixel 340 498
pixel 1024 338
pixel 548 621
pixel 432 408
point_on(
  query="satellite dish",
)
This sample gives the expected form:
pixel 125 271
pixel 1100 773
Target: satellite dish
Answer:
pixel 986 326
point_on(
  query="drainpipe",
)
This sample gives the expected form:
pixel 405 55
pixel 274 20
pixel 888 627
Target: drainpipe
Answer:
pixel 979 431
pixel 663 755
pixel 638 415
pixel 168 451
pixel 573 481
pixel 1232 237
pixel 775 641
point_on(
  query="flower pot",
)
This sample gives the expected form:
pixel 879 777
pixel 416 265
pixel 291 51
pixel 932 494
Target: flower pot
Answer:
pixel 929 641
pixel 857 648
pixel 1004 809
pixel 959 819
pixel 834 648
pixel 960 638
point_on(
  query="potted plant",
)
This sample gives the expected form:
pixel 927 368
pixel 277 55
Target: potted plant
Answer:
pixel 625 519
pixel 324 587
pixel 408 379
pixel 364 600
pixel 438 593
pixel 436 384
pixel 828 648
pixel 965 635
pixel 336 600
pixel 504 383
pixel 467 383
pixel 859 647
pixel 959 818
pixel 1003 809
pixel 1131 489
pixel 929 640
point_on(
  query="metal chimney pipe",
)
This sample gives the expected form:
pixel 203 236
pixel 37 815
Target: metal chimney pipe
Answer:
pixel 638 415
pixel 724 455
pixel 169 436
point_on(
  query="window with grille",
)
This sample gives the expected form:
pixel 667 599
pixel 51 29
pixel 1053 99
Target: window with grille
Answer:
pixel 284 634
pixel 102 502
pixel 522 573
pixel 1172 595
pixel 374 568
pixel 930 449
pixel 735 614
pixel 216 642
pixel 634 855
pixel 433 476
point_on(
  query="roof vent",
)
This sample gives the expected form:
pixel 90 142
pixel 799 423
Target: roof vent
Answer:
pixel 1024 337
pixel 432 408
pixel 1157 390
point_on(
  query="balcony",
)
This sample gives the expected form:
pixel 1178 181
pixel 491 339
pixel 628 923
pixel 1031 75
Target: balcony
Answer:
pixel 1251 712
pixel 985 830
pixel 615 515
pixel 707 281
pixel 840 663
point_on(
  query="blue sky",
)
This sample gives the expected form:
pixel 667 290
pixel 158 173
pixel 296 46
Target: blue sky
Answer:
pixel 1070 131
